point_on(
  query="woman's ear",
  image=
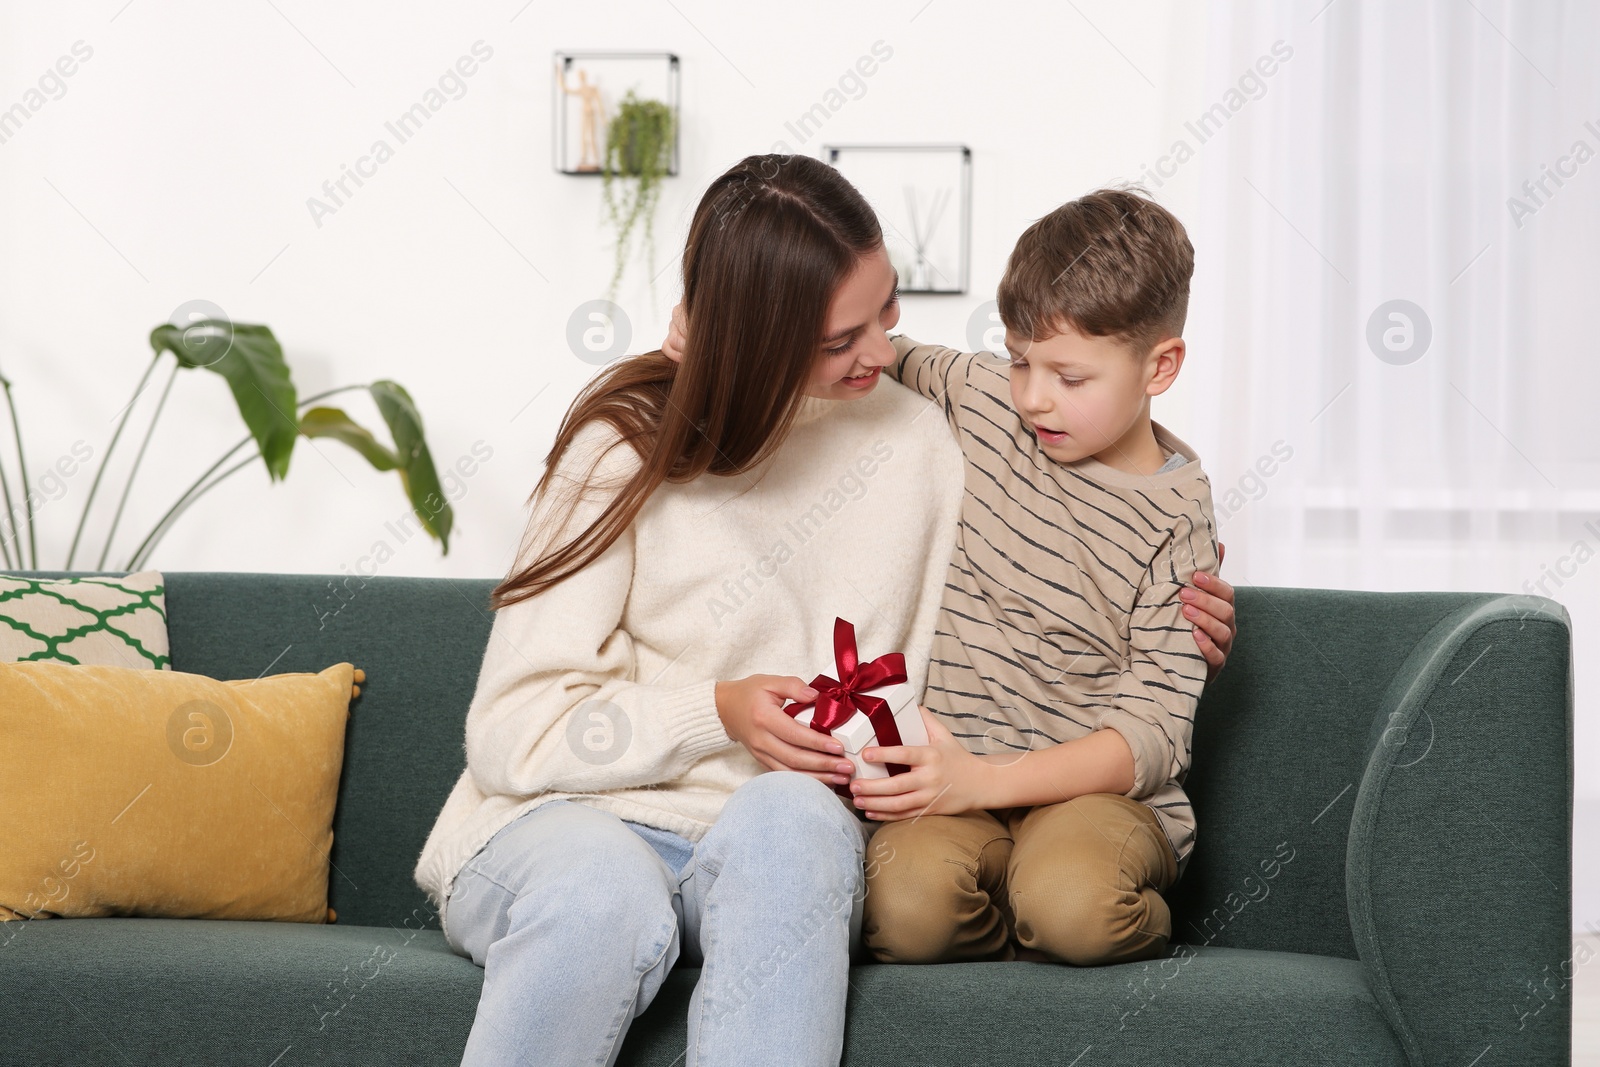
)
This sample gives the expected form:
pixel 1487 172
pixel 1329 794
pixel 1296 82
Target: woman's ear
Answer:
pixel 677 335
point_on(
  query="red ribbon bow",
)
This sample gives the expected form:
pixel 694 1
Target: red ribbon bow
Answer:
pixel 839 699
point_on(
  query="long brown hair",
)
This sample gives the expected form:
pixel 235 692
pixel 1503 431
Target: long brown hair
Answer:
pixel 770 243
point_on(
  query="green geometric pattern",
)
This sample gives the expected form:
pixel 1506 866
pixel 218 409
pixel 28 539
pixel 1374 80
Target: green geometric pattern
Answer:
pixel 115 622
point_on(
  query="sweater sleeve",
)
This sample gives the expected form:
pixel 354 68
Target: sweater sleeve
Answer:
pixel 938 373
pixel 1161 681
pixel 559 705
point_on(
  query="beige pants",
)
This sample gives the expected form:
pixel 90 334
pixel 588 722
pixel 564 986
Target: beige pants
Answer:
pixel 1076 882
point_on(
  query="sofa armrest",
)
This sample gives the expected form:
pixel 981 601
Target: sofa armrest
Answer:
pixel 1458 864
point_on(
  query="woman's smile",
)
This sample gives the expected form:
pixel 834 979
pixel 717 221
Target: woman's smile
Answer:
pixel 862 381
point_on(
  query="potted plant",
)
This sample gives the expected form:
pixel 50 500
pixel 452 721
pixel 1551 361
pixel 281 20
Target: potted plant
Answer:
pixel 251 360
pixel 638 155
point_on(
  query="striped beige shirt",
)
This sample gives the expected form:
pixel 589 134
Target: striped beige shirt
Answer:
pixel 1060 611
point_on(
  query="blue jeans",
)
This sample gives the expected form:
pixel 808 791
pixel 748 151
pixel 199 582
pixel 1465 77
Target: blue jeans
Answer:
pixel 576 916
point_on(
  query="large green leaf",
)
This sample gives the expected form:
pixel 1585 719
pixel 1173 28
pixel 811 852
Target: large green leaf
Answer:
pixel 251 360
pixel 334 423
pixel 417 472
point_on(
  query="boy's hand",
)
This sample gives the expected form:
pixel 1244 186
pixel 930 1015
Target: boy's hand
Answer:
pixel 944 779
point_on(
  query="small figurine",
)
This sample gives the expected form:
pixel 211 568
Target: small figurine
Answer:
pixel 594 114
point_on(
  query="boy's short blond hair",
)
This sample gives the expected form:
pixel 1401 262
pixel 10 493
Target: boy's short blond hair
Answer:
pixel 1113 263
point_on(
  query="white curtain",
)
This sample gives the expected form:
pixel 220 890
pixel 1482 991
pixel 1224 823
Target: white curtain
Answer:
pixel 1440 152
pixel 1445 153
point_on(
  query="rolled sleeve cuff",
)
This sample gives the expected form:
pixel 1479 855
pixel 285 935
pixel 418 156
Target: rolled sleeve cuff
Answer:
pixel 1149 747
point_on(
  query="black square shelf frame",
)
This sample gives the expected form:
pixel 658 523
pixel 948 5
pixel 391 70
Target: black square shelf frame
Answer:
pixel 656 75
pixel 923 196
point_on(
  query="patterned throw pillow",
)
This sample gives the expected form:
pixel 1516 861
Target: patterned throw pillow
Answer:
pixel 96 621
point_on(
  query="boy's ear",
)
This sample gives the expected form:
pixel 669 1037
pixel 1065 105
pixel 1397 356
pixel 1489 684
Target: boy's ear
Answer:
pixel 1165 361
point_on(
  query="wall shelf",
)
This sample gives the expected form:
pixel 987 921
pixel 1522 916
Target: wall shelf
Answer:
pixel 599 80
pixel 923 197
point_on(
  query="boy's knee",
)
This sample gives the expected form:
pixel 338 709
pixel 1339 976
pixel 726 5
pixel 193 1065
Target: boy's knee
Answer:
pixel 924 903
pixel 914 923
pixel 1088 930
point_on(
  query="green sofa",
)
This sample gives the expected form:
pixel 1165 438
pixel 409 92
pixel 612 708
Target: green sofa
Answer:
pixel 1384 790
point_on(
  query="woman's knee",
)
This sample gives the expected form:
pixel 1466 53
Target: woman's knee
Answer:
pixel 790 797
pixel 569 873
pixel 797 810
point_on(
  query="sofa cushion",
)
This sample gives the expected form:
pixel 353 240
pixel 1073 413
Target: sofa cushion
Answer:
pixel 182 991
pixel 1210 1006
pixel 420 641
pixel 117 991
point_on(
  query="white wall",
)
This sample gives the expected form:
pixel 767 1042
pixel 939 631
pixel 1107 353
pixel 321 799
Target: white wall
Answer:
pixel 178 163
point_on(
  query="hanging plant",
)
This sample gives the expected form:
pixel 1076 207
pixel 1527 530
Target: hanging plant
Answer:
pixel 638 154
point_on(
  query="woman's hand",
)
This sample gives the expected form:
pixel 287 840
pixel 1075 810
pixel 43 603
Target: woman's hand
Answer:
pixel 1210 608
pixel 677 335
pixel 752 713
pixel 944 779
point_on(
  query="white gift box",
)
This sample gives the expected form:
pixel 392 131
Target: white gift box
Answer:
pixel 857 733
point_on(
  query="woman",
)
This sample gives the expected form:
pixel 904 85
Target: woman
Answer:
pixel 693 524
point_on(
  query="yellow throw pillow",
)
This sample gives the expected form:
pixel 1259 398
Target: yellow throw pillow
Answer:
pixel 161 793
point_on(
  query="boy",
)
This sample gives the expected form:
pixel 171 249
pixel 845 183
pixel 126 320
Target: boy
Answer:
pixel 1047 815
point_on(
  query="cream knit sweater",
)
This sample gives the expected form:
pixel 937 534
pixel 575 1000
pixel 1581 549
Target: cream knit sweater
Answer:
pixel 601 689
